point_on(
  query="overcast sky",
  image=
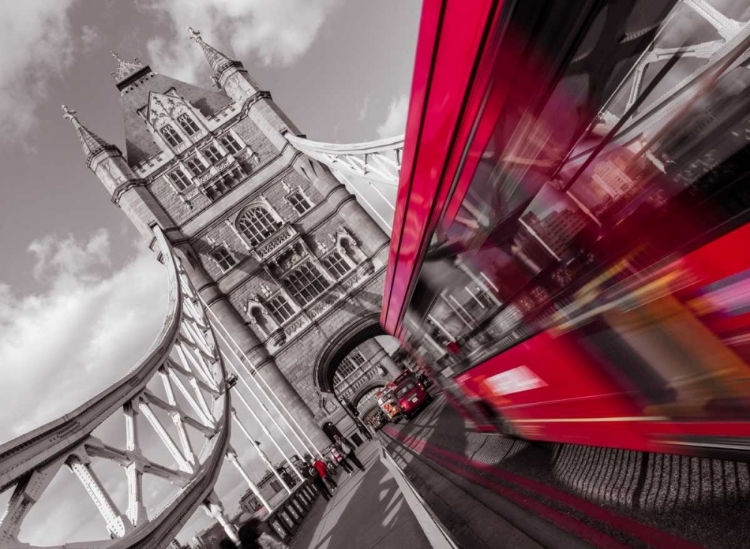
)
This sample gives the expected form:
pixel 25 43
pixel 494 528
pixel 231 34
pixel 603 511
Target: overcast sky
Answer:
pixel 77 289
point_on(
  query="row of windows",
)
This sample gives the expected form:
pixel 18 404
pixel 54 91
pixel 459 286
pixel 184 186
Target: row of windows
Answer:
pixel 196 165
pixel 304 283
pixel 257 223
pixel 351 362
pixel 187 124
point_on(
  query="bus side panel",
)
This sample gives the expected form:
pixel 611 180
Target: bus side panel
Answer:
pixel 551 390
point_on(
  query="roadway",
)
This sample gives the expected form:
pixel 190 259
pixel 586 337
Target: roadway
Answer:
pixel 567 495
pixel 487 491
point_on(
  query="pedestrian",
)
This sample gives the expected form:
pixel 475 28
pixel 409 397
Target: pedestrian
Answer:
pixel 339 458
pixel 255 534
pixel 347 448
pixel 317 480
pixel 322 469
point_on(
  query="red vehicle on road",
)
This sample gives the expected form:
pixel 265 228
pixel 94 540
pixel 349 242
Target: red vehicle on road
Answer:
pixel 410 394
pixel 572 259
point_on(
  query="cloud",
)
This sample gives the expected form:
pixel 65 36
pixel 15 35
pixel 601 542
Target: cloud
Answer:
pixel 65 261
pixel 365 109
pixel 395 121
pixel 81 334
pixel 36 45
pixel 277 33
pixel 89 37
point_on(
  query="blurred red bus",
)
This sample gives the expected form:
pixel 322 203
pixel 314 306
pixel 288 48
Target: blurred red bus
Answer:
pixel 569 249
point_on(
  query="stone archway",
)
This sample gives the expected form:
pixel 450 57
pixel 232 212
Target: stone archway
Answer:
pixel 341 344
pixel 374 384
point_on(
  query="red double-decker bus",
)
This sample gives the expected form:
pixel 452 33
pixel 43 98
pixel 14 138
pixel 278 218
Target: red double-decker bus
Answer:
pixel 570 249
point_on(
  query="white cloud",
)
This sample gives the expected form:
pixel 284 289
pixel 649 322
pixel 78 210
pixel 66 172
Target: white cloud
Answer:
pixel 395 122
pixel 363 112
pixel 276 32
pixel 79 336
pixel 89 37
pixel 36 44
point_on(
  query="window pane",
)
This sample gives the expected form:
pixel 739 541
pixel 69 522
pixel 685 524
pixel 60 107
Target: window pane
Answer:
pixel 196 165
pixel 299 202
pixel 257 225
pixel 336 264
pixel 231 144
pixel 187 124
pixel 306 283
pixel 223 258
pixel 212 153
pixel 279 307
pixel 179 179
pixel 171 136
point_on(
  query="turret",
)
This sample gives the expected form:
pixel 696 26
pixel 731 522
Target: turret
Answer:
pixel 228 74
pixel 127 190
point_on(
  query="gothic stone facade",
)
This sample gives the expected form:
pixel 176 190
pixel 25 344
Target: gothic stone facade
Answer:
pixel 279 250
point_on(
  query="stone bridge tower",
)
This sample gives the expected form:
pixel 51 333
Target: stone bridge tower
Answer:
pixel 282 254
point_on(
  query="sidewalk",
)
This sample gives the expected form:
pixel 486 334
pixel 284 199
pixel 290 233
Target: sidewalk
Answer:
pixel 366 512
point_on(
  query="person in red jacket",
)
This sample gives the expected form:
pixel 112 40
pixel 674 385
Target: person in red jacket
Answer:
pixel 322 469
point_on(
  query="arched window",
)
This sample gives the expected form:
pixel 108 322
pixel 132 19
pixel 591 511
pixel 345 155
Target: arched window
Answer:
pixel 257 224
pixel 171 136
pixel 336 264
pixel 179 179
pixel 212 153
pixel 260 320
pixel 351 251
pixel 195 164
pixel 188 124
pixel 223 258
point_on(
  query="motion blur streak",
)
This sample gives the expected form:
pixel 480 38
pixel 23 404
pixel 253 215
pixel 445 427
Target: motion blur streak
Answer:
pixel 569 254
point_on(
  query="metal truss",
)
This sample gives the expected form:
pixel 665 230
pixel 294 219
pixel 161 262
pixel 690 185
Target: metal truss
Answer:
pixel 375 163
pixel 184 360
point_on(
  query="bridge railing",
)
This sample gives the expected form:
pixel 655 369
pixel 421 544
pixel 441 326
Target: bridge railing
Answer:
pixel 185 357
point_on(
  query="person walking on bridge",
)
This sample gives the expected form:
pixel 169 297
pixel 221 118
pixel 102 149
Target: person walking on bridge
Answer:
pixel 347 449
pixel 325 474
pixel 317 480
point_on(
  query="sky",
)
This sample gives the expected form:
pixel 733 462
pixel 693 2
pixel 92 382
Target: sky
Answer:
pixel 81 299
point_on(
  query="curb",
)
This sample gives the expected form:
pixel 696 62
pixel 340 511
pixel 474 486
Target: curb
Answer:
pixel 433 529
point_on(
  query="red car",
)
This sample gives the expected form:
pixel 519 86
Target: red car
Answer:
pixel 411 395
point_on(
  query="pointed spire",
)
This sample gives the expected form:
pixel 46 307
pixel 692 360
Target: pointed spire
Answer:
pixel 125 68
pixel 92 143
pixel 218 61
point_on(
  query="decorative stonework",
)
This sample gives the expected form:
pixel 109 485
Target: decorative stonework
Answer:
pixel 267 248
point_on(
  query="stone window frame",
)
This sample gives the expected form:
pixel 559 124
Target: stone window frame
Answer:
pixel 178 174
pixel 286 305
pixel 352 363
pixel 192 160
pixel 257 237
pixel 188 124
pixel 227 262
pixel 302 294
pixel 333 261
pixel 171 135
pixel 229 141
pixel 296 196
pixel 210 151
